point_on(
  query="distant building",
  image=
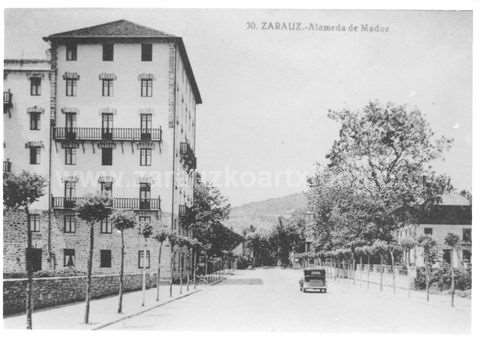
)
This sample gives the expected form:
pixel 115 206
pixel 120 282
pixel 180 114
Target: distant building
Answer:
pixel 112 110
pixel 453 215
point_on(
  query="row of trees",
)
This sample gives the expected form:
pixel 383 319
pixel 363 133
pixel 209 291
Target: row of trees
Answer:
pixel 378 178
pixel 274 247
pixel 204 219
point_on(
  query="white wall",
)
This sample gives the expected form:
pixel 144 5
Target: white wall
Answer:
pixel 17 126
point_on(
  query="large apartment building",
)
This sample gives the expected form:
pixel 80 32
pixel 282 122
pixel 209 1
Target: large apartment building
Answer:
pixel 112 110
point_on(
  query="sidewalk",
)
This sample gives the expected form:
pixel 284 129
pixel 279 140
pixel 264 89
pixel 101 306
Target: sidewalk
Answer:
pixel 102 311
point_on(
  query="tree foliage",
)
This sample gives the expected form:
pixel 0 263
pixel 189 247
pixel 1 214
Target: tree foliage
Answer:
pixel 209 210
pixel 20 191
pixel 378 177
pixel 94 208
pixel 123 220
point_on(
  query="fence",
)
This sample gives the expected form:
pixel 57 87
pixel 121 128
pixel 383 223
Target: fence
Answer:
pixel 386 278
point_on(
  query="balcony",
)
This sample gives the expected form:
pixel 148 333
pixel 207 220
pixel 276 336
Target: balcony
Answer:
pixel 186 215
pixel 118 203
pixel 188 157
pixel 7 166
pixel 7 101
pixel 113 134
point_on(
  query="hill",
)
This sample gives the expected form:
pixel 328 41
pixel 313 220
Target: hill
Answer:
pixel 264 214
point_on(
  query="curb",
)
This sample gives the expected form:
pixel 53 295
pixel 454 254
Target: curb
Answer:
pixel 109 323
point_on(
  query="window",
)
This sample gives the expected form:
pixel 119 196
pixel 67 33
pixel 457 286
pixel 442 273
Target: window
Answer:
pixel 35 85
pixel 105 258
pixel 70 156
pixel 70 120
pixel 146 87
pixel 69 225
pixel 106 226
pixel 34 222
pixel 70 87
pixel 145 123
pixel 107 125
pixel 140 259
pixel 146 52
pixel 106 188
pixel 144 195
pixel 467 235
pixel 71 52
pixel 447 253
pixel 34 155
pixel 107 156
pixel 467 256
pixel 34 120
pixel 145 219
pixel 428 231
pixel 145 157
pixel 107 87
pixel 107 52
pixel 70 188
pixel 68 257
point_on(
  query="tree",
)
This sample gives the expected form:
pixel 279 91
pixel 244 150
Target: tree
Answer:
pixel 172 240
pixel 146 230
pixel 453 241
pixel 92 209
pixel 381 164
pixel 20 192
pixel 122 220
pixel 209 205
pixel 407 243
pixel 428 244
pixel 196 246
pixel 393 249
pixel 380 248
pixel 160 238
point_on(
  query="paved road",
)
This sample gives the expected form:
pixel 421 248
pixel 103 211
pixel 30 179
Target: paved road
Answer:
pixel 269 300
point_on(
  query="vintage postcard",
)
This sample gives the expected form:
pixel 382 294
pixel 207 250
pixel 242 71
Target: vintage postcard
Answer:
pixel 267 170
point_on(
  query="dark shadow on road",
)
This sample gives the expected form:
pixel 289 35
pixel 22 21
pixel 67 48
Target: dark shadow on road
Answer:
pixel 242 282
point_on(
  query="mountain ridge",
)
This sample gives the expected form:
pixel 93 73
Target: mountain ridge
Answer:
pixel 264 214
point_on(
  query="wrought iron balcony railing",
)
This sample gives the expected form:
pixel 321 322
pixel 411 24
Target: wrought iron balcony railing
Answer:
pixel 188 156
pixel 185 214
pixel 117 203
pixel 113 134
pixel 7 101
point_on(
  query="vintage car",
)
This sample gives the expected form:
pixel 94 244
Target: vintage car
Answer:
pixel 313 279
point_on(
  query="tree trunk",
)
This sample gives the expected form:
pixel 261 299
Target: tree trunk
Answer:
pixel 353 267
pixel 189 260
pixel 381 272
pixel 368 271
pixel 194 268
pixel 29 286
pixel 158 271
pixel 89 274
pixel 122 265
pixel 452 302
pixel 172 254
pixel 393 271
pixel 144 272
pixel 427 276
pixel 182 262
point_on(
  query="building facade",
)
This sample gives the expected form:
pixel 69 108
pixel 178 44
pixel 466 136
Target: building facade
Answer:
pixel 119 107
pixel 453 215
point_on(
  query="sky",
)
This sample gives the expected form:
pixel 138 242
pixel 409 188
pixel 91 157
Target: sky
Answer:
pixel 263 123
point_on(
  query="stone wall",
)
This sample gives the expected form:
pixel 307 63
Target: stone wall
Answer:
pixel 52 291
pixel 14 241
